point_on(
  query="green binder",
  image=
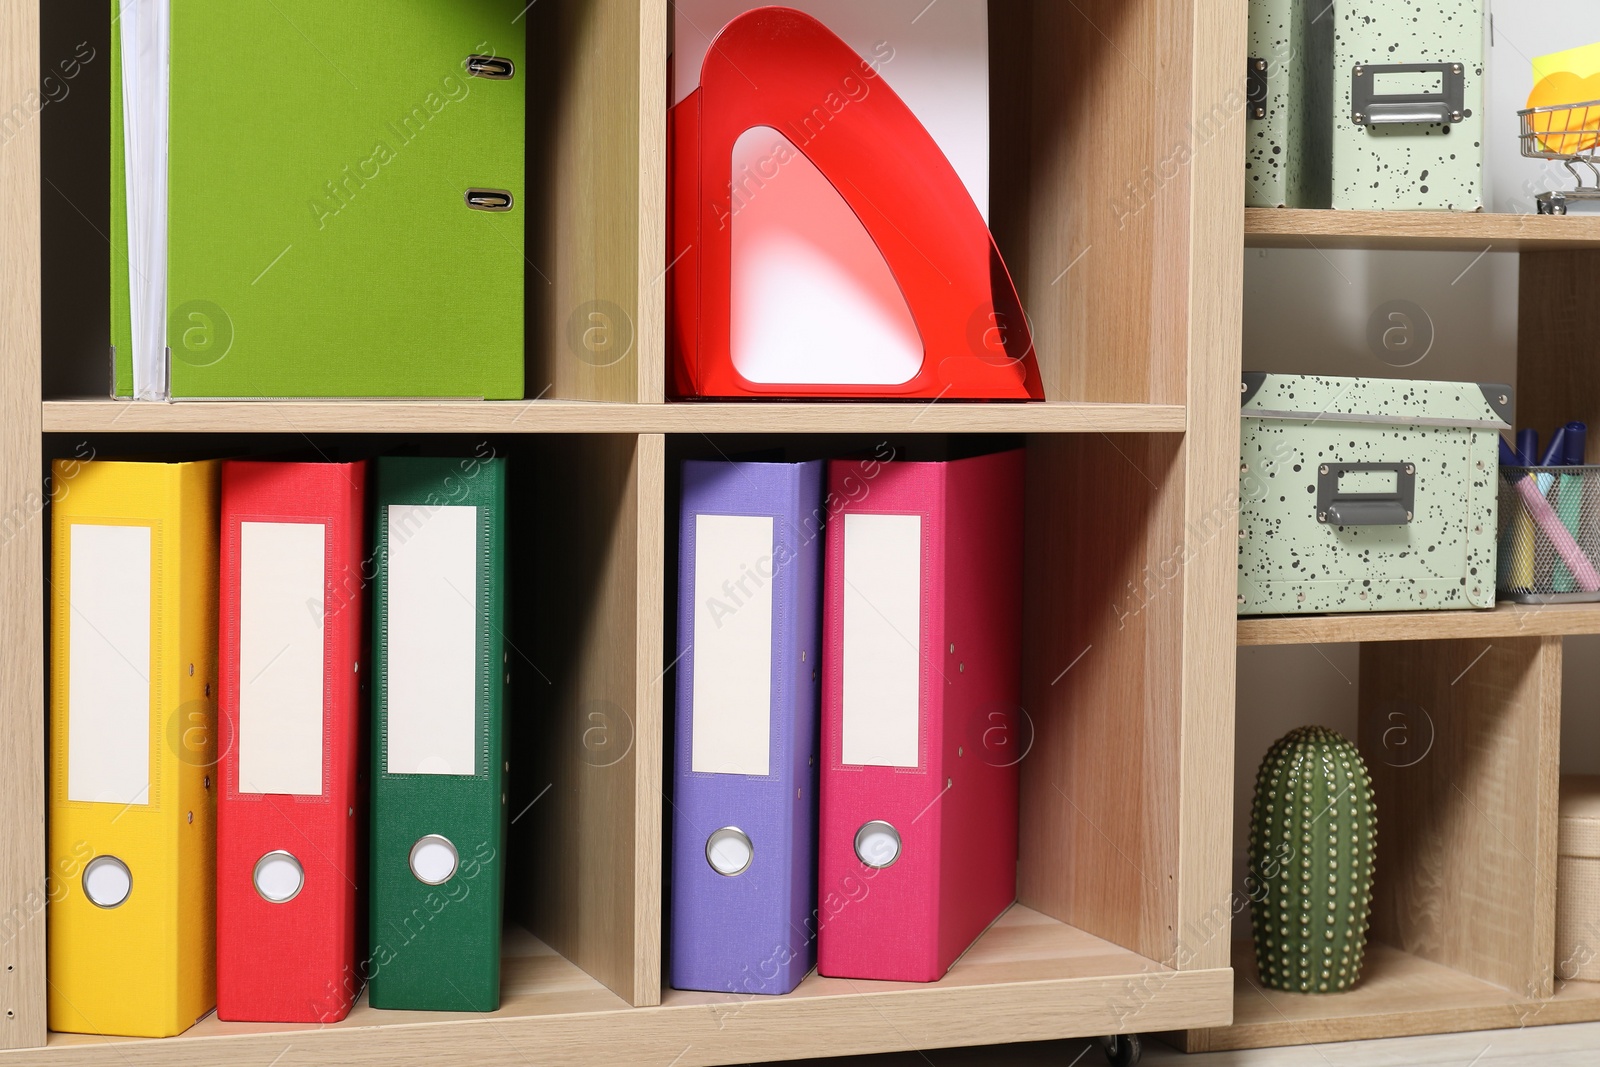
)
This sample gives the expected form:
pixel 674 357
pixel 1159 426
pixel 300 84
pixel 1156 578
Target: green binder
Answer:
pixel 343 204
pixel 439 734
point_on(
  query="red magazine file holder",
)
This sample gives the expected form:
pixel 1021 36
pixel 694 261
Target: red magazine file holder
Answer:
pixel 778 67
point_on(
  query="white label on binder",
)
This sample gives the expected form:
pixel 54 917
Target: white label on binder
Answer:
pixel 732 728
pixel 108 677
pixel 882 639
pixel 281 592
pixel 433 640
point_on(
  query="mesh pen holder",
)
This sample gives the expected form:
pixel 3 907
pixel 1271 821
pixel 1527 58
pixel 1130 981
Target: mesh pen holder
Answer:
pixel 1549 544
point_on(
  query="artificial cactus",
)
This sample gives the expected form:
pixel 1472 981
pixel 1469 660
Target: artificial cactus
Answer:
pixel 1313 833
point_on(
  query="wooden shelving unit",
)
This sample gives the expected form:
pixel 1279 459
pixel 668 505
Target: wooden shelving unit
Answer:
pixel 1025 971
pixel 1462 737
pixel 1400 995
pixel 1128 670
pixel 579 416
pixel 1504 620
pixel 1459 711
pixel 1435 231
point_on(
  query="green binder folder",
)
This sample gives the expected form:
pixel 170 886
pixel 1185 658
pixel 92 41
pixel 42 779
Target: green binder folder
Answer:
pixel 439 734
pixel 343 203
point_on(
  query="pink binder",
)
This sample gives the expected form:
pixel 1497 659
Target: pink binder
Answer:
pixel 920 719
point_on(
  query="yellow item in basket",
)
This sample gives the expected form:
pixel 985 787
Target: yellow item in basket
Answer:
pixel 1520 544
pixel 1561 79
pixel 132 722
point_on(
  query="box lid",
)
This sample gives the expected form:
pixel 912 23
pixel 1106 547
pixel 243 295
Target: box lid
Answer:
pixel 1391 401
pixel 1580 815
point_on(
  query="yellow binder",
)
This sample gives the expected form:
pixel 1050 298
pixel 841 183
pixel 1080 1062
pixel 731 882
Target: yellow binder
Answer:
pixel 133 684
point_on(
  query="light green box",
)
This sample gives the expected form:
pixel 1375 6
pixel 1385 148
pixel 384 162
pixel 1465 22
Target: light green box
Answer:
pixel 1288 121
pixel 1392 157
pixel 1367 494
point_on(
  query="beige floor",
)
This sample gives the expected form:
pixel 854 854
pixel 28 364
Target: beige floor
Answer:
pixel 1546 1046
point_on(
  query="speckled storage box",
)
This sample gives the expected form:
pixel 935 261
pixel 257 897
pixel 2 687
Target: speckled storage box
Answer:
pixel 1367 494
pixel 1578 880
pixel 1408 104
pixel 1288 129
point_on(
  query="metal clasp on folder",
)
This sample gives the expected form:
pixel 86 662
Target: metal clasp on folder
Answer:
pixel 496 68
pixel 489 199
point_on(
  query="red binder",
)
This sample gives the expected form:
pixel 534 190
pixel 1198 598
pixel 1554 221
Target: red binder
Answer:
pixel 775 66
pixel 288 813
pixel 921 729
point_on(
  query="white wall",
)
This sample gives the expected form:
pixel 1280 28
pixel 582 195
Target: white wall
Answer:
pixel 1519 31
pixel 1281 687
pixel 1580 705
pixel 1310 312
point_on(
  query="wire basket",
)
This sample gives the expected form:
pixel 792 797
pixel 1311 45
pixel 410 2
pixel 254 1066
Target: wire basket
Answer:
pixel 1549 545
pixel 1570 133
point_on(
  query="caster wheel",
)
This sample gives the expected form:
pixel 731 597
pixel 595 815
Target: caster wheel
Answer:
pixel 1122 1050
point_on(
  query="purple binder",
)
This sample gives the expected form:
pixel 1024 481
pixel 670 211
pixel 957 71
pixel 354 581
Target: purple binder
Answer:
pixel 744 768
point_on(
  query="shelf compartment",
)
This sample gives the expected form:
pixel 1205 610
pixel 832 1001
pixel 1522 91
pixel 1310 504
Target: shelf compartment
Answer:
pixel 583 649
pixel 1503 620
pixel 1466 791
pixel 1400 995
pixel 1105 253
pixel 1462 740
pixel 1436 231
pixel 594 206
pixel 1106 741
pixel 557 416
pixel 585 805
pixel 1103 843
pixel 1125 846
pixel 1028 978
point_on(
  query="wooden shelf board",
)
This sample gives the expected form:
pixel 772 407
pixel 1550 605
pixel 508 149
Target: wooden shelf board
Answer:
pixel 1417 230
pixel 1503 620
pixel 1400 995
pixel 535 981
pixel 1028 978
pixel 557 416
